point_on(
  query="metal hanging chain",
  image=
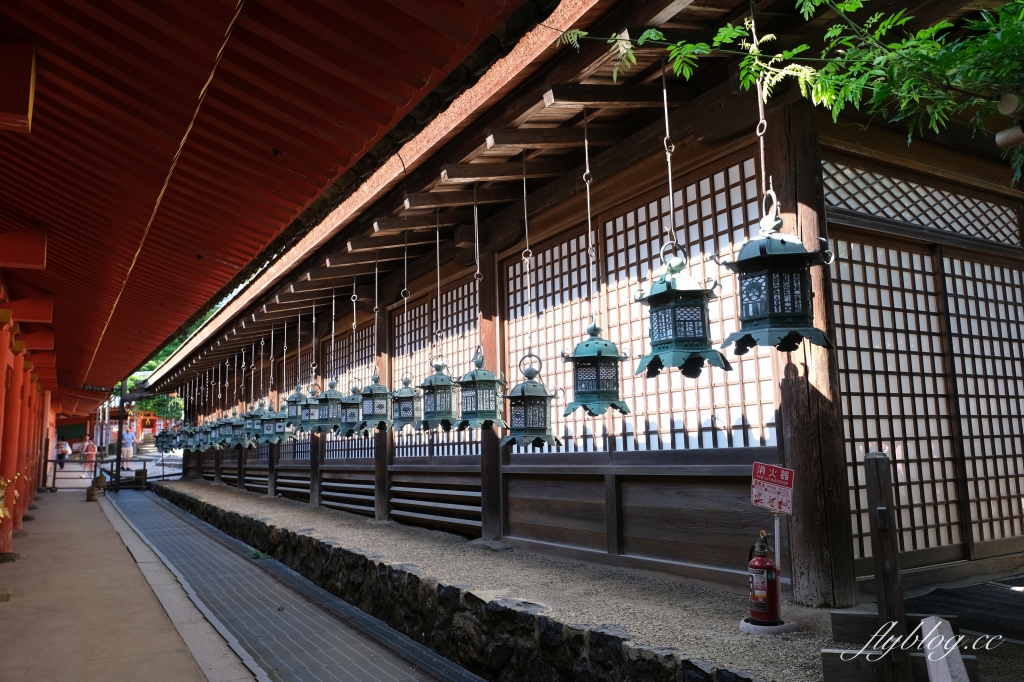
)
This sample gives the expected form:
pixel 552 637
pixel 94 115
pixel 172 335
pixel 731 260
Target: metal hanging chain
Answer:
pixel 218 380
pixel 272 384
pixel 762 123
pixel 588 179
pixel 252 374
pixel 405 281
pixel 527 258
pixel 284 361
pixel 312 348
pixel 436 340
pixel 263 342
pixel 376 306
pixel 670 147
pixel 352 340
pixel 477 276
pixel 334 309
pixel 234 398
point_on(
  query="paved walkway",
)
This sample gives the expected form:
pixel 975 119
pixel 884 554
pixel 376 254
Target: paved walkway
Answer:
pixel 284 627
pixel 80 607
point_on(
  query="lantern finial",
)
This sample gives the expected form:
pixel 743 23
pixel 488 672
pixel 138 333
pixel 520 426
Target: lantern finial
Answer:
pixel 481 396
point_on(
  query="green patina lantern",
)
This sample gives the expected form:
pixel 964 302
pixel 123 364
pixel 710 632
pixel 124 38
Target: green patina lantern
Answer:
pixel 482 401
pixel 351 423
pixel 252 425
pixel 283 428
pixel 204 437
pixel 330 408
pixel 530 409
pixel 293 407
pixel 776 300
pixel 189 438
pixel 595 373
pixel 407 405
pixel 237 430
pixel 163 441
pixel 264 423
pixel 680 331
pixel 376 405
pixel 309 411
pixel 440 398
pixel 220 431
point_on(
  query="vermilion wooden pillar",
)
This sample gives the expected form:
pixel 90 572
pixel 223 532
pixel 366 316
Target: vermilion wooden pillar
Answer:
pixel 383 443
pixel 12 422
pixel 6 358
pixel 27 406
pixel 810 424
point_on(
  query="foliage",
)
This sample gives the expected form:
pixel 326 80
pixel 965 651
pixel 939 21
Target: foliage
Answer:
pixel 923 78
pixel 162 406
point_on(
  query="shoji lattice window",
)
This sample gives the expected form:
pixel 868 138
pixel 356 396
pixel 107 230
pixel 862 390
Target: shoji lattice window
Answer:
pixel 885 195
pixel 986 306
pixel 893 382
pixel 556 318
pixel 457 327
pixel 342 365
pixel 715 213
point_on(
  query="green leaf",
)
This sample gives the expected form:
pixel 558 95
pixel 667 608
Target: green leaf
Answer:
pixel 571 37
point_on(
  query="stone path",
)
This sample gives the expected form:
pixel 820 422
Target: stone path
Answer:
pixel 284 627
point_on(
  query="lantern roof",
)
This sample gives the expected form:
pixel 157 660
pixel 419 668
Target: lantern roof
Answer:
pixel 375 388
pixel 675 277
pixel 531 387
pixel 439 377
pixel 332 392
pixel 298 396
pixel 480 373
pixel 407 391
pixel 777 245
pixel 594 346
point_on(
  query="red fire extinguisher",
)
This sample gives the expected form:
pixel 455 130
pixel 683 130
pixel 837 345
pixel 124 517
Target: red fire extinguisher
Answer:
pixel 764 584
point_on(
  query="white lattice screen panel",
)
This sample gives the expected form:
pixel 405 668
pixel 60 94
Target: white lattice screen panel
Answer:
pixel 894 388
pixel 879 194
pixel 715 213
pixel 343 365
pixel 556 319
pixel 986 307
pixel 457 326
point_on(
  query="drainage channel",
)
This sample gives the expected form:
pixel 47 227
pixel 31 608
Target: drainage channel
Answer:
pixel 282 626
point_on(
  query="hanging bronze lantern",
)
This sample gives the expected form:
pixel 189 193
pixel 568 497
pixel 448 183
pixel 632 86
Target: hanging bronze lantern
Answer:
pixel 440 398
pixel 481 397
pixel 330 407
pixel 376 405
pixel 530 409
pixel 237 430
pixel 293 405
pixel 220 431
pixel 189 438
pixel 309 411
pixel 252 430
pixel 595 374
pixel 264 423
pixel 680 331
pixel 776 300
pixel 204 438
pixel 407 405
pixel 283 427
pixel 351 424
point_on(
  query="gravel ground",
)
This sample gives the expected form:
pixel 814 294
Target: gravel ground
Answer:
pixel 661 612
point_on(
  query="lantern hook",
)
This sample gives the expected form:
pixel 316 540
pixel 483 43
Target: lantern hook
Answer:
pixel 771 222
pixel 530 368
pixel 677 248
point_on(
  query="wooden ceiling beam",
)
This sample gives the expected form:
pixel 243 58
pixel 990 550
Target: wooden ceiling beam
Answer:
pixel 356 244
pixel 517 139
pixel 462 197
pixel 425 221
pixel 497 172
pixel 577 96
pixel 362 257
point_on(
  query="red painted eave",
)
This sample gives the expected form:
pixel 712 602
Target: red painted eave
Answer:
pixel 117 86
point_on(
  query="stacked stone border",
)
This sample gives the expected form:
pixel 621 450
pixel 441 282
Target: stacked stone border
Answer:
pixel 499 640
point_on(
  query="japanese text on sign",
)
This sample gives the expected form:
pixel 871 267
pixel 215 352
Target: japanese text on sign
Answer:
pixel 772 488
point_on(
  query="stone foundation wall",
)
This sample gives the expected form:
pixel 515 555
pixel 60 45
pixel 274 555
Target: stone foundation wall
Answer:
pixel 503 639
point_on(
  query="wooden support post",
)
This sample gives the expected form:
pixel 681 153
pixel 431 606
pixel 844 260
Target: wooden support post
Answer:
pixel 810 425
pixel 613 512
pixel 217 459
pixel 275 451
pixel 317 443
pixel 490 452
pixel 383 443
pixel 885 550
pixel 240 469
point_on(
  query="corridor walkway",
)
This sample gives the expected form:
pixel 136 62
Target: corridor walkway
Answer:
pixel 80 608
pixel 284 627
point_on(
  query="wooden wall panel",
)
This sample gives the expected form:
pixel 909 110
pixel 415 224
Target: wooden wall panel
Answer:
pixel 706 520
pixel 568 510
